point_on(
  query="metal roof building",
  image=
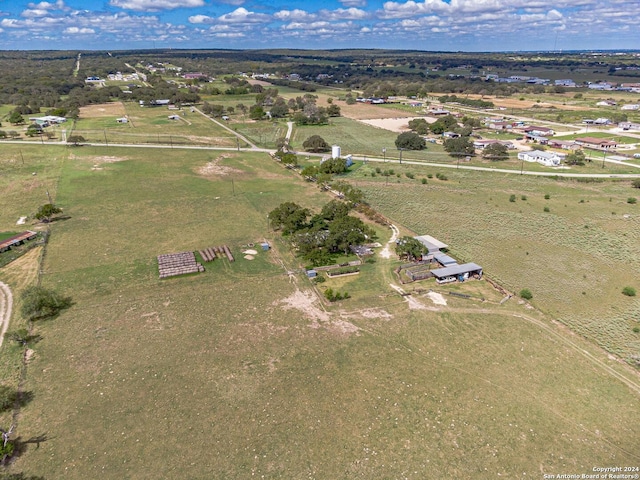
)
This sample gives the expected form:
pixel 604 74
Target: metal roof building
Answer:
pixel 454 272
pixel 434 245
pixel 445 260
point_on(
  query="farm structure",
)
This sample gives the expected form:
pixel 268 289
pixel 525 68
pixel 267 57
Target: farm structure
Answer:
pixel 433 245
pixel 16 240
pixel 173 264
pixel 457 272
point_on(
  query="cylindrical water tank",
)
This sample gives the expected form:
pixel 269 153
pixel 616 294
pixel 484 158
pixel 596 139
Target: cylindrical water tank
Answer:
pixel 335 151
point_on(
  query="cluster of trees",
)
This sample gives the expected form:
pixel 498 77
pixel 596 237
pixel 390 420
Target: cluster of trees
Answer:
pixel 318 238
pixel 496 152
pixel 410 249
pixel 410 141
pixel 477 103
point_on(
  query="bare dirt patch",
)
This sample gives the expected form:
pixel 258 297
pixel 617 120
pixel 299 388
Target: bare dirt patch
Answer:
pixel 361 111
pixel 396 124
pixel 213 168
pixel 112 109
pixel 307 304
pixel 437 298
pixel 524 104
pixel 343 327
pixel 372 313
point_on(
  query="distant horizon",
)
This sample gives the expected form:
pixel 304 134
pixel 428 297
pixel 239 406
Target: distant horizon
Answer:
pixel 470 26
pixel 266 49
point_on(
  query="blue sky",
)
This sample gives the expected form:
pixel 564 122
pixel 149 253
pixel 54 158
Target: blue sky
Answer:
pixel 466 25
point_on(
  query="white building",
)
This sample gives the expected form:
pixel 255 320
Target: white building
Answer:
pixel 548 159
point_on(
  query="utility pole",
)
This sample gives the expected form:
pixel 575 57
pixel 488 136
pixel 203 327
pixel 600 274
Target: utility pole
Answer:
pixel 105 138
pixel 384 154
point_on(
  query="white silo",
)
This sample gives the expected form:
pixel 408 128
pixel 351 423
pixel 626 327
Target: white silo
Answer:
pixel 335 151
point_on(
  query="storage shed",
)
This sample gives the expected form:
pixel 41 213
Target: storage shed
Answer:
pixel 432 244
pixel 457 272
pixel 444 260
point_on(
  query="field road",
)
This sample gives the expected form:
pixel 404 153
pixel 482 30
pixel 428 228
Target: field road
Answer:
pixel 241 137
pixel 6 304
pixel 254 148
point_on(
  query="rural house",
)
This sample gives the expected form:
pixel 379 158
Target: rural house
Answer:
pixel 548 159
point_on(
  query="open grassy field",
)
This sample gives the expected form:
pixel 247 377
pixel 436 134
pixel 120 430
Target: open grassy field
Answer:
pixel 97 124
pixel 243 371
pixel 576 258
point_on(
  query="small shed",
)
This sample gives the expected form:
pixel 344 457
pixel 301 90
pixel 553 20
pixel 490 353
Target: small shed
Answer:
pixel 444 260
pixel 312 273
pixel 457 272
pixel 265 246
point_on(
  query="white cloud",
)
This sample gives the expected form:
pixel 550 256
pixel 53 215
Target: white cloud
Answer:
pixel 59 5
pixel 344 14
pixel 201 19
pixel 354 3
pixel 155 5
pixel 79 31
pixel 296 15
pixel 242 15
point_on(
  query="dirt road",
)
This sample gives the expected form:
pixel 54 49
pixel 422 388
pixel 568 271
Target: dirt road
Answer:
pixel 6 304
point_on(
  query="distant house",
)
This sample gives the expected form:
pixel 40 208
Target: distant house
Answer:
pixel 536 130
pixel 450 135
pixel 439 111
pixel 122 120
pixel 194 75
pixel 433 245
pixel 47 120
pixel 155 103
pixel 499 125
pixel 630 106
pixel 482 144
pixel 602 121
pixel 606 103
pixel 548 159
pixel 536 139
pixel 563 144
pixel 598 143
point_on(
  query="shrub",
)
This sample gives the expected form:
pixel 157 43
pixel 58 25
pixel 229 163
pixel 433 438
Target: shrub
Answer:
pixel 632 200
pixel 40 303
pixel 523 198
pixel 409 175
pixel 512 198
pixel 547 196
pixel 526 294
pixel 629 291
pixel 636 183
pixel 546 209
pixel 429 175
pixel 424 181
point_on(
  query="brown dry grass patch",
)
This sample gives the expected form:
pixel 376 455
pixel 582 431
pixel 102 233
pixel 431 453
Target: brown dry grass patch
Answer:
pixel 523 104
pixel 112 109
pixel 213 168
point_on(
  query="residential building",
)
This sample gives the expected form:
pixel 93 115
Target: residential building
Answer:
pixel 548 159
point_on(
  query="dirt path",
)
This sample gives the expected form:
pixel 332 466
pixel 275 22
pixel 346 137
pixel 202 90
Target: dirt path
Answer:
pixel 386 251
pixel 6 304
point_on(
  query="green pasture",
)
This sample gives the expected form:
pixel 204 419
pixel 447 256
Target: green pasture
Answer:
pixel 152 125
pixel 575 258
pixel 264 134
pixel 26 174
pixel 621 139
pixel 220 375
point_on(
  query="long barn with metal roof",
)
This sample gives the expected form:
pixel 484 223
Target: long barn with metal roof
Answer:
pixel 457 272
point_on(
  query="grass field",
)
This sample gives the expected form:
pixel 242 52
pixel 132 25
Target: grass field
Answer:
pixel 97 124
pixel 241 371
pixel 587 243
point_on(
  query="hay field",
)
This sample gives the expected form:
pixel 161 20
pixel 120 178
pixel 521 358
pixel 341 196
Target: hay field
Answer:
pixel 576 258
pixel 241 371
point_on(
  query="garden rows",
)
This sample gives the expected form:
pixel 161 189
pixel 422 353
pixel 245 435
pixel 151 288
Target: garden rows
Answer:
pixel 210 254
pixel 173 264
